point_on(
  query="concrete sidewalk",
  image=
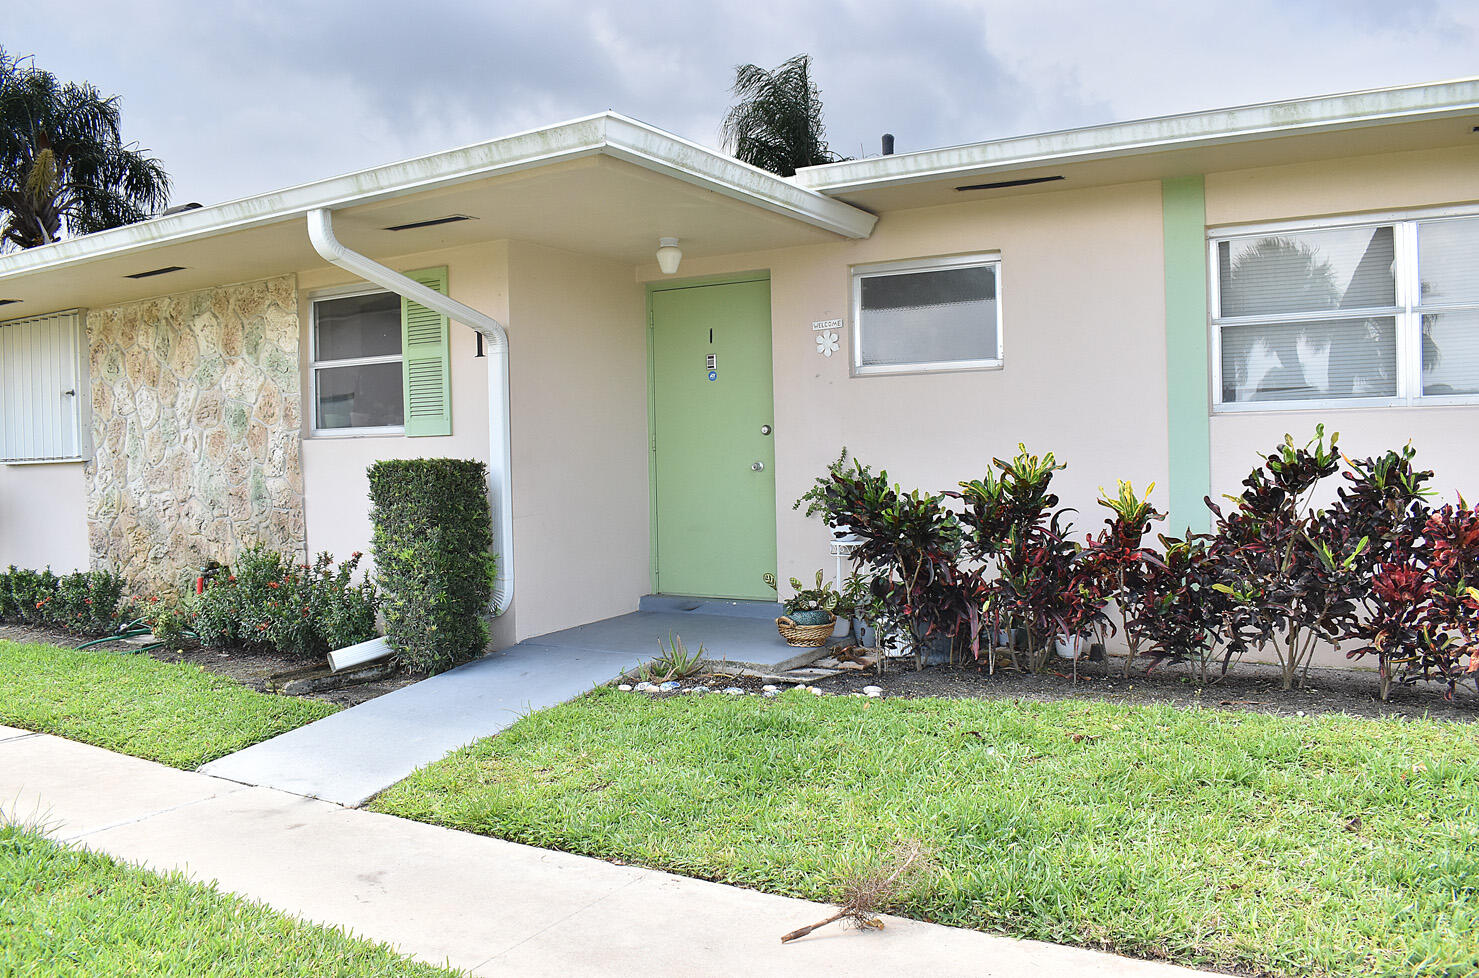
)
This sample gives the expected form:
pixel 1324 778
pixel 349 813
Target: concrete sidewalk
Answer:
pixel 491 907
pixel 350 756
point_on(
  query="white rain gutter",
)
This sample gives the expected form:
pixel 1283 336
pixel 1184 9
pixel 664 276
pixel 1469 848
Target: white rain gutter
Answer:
pixel 500 432
pixel 1327 113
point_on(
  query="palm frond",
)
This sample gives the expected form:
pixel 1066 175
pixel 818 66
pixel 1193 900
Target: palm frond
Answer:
pixel 64 168
pixel 776 122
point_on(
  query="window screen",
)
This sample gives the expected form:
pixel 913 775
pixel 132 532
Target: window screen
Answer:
pixel 1386 312
pixel 1448 301
pixel 357 369
pixel 915 318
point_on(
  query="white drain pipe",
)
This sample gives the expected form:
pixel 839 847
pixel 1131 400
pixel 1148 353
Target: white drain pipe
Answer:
pixel 500 432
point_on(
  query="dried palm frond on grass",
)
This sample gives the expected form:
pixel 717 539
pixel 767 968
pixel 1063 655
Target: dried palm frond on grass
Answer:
pixel 871 891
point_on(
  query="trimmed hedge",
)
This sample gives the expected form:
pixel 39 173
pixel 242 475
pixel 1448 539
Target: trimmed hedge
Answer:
pixel 83 602
pixel 432 542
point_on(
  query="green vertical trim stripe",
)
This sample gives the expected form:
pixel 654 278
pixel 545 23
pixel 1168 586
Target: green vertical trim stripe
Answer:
pixel 427 373
pixel 1189 434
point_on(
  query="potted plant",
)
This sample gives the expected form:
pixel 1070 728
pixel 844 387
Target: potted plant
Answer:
pixel 862 606
pixel 809 616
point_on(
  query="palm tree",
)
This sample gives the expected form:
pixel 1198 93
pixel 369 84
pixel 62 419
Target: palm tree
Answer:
pixel 777 122
pixel 64 169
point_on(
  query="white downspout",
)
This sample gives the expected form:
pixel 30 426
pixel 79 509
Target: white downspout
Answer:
pixel 500 440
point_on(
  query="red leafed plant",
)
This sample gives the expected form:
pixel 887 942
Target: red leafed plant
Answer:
pixel 1046 583
pixel 1120 564
pixel 1423 612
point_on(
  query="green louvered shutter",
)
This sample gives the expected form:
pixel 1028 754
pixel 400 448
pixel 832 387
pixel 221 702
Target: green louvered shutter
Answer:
pixel 428 377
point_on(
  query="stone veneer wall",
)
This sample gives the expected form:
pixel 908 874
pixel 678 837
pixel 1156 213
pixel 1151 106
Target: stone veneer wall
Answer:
pixel 196 426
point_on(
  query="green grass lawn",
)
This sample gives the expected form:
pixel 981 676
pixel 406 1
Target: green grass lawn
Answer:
pixel 1280 846
pixel 179 715
pixel 69 912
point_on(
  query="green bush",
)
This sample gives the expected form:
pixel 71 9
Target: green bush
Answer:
pixel 270 603
pixel 172 622
pixel 82 602
pixel 433 534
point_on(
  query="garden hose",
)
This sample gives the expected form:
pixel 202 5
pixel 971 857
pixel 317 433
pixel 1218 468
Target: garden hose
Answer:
pixel 133 629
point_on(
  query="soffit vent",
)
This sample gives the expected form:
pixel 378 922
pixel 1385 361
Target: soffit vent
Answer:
pixel 157 271
pixel 433 222
pixel 1003 184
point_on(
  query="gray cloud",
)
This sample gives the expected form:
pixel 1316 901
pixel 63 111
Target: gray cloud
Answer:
pixel 240 98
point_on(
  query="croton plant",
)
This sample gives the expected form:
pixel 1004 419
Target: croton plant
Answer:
pixel 1378 572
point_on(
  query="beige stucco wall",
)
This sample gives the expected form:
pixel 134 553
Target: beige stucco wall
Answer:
pixel 1444 436
pixel 43 516
pixel 1083 351
pixel 578 333
pixel 195 419
pixel 578 379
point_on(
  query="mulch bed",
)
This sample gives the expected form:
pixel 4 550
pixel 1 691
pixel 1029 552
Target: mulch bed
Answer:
pixel 252 670
pixel 1250 686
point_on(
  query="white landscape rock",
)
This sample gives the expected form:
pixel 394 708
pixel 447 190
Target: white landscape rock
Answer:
pixel 645 687
pixel 873 691
pixel 734 691
pixel 625 687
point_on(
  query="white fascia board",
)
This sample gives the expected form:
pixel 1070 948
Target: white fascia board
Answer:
pixel 661 152
pixel 607 133
pixel 1409 103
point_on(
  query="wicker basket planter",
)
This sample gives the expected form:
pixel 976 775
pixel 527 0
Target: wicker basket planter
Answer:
pixel 805 636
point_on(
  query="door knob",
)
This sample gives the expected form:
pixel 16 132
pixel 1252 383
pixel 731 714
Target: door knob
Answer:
pixel 757 467
pixel 765 429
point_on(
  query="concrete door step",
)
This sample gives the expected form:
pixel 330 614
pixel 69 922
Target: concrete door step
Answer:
pixel 731 608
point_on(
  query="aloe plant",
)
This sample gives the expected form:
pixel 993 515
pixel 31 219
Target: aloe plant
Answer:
pixel 674 661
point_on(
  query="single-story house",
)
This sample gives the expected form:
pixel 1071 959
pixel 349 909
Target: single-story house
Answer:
pixel 1153 300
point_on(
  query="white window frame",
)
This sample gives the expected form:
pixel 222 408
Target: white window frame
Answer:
pixel 315 365
pixel 860 272
pixel 1407 313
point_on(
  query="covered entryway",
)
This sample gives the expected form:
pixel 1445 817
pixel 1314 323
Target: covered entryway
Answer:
pixel 713 450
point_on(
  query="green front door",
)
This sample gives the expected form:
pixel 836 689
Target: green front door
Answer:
pixel 714 456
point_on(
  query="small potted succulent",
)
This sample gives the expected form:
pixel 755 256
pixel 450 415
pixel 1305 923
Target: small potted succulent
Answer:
pixel 809 617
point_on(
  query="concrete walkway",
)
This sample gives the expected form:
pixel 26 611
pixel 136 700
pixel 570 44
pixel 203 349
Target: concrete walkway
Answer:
pixel 491 907
pixel 354 754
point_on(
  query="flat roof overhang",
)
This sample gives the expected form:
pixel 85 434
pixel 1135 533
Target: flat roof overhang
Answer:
pixel 605 186
pixel 1414 117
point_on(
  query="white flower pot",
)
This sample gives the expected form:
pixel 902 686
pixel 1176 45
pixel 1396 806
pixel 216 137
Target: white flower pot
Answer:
pixel 1070 647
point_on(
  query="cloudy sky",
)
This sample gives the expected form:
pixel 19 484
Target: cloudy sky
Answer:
pixel 239 97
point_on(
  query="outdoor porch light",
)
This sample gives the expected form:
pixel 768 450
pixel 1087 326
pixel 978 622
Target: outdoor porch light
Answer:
pixel 668 255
